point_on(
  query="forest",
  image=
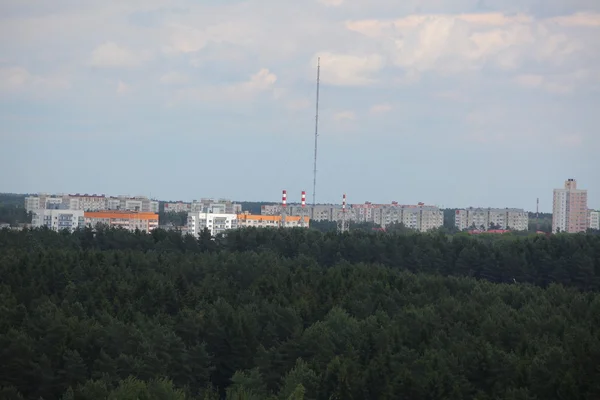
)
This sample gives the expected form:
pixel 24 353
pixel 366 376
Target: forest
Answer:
pixel 298 314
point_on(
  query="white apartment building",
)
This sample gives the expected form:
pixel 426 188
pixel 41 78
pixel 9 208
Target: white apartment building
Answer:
pixel 58 220
pixel 486 218
pixel 216 223
pixel 594 219
pixel 569 209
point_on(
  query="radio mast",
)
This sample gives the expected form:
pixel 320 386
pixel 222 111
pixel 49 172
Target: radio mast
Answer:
pixel 314 193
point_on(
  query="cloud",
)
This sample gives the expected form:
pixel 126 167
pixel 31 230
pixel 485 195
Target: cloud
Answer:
pixel 262 81
pixel 581 19
pixel 19 78
pixel 451 44
pixel 347 69
pixel 123 88
pixel 380 108
pixel 111 55
pixel 346 115
pixel 174 78
pixel 332 3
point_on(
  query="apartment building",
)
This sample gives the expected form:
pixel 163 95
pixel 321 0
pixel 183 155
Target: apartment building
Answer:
pixel 129 220
pixel 178 206
pixel 58 220
pixel 492 218
pixel 569 209
pixel 219 206
pixel 45 201
pixel 215 222
pixel 137 203
pixel 319 212
pixel 246 220
pixel 419 217
pixel 594 219
pixel 90 202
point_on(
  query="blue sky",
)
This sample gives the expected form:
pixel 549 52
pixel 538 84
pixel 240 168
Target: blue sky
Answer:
pixel 455 103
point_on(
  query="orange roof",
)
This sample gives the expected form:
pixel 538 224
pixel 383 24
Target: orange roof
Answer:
pixel 113 214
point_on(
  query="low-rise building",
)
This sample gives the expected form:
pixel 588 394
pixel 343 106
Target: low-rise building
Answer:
pixel 58 220
pixel 492 218
pixel 129 220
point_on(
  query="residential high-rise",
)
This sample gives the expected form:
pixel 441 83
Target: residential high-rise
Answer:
pixel 569 209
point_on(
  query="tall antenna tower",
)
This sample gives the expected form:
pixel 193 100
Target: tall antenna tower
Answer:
pixel 343 223
pixel 314 193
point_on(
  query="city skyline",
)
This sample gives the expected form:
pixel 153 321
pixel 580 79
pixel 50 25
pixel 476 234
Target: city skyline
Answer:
pixel 469 103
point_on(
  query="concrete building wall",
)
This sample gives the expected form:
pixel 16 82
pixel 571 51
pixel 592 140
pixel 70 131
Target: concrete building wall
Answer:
pixel 569 209
pixel 57 220
pixel 216 223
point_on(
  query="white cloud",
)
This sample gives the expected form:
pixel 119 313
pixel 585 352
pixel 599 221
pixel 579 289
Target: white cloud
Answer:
pixel 174 78
pixel 346 115
pixel 380 108
pixel 123 88
pixel 110 54
pixel 19 78
pixel 447 44
pixel 262 81
pixel 581 19
pixel 349 70
pixel 332 3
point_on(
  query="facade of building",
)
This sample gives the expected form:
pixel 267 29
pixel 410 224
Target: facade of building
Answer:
pixel 419 217
pixel 90 202
pixel 177 207
pixel 569 209
pixel 220 206
pixel 594 220
pixel 272 221
pixel 129 220
pixel 138 203
pixel 58 220
pixel 216 223
pixel 485 219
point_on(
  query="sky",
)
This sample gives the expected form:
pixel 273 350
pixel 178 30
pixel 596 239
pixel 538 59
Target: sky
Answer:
pixel 455 103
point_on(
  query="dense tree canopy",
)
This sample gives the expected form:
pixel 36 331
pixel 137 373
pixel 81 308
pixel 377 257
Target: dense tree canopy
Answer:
pixel 298 314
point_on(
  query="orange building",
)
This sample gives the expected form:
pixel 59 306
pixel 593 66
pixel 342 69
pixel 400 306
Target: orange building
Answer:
pixel 274 221
pixel 144 221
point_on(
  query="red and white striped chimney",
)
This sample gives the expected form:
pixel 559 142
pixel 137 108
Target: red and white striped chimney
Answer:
pixel 284 199
pixel 303 199
pixel 344 202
